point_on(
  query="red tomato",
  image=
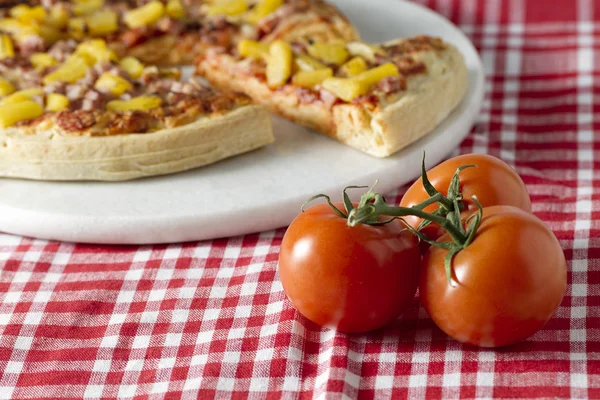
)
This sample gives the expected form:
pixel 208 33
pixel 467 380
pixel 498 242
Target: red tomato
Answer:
pixel 493 182
pixel 509 281
pixel 355 279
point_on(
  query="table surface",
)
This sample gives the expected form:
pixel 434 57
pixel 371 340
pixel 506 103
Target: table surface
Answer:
pixel 210 319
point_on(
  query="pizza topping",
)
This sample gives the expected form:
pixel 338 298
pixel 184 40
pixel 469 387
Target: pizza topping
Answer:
pixel 75 92
pixel 6 87
pixel 56 102
pixel 27 14
pixel 21 95
pixel 365 50
pixel 31 44
pixel 307 96
pixel 311 79
pixel 304 62
pixel 254 49
pixel 63 49
pixel 354 67
pixel 407 65
pixel 348 89
pixel 92 100
pixel 328 98
pixel 227 7
pixel 75 121
pixel 145 15
pixel 7 49
pixel 42 61
pixel 58 16
pixel 279 65
pixel 113 84
pixel 73 69
pixel 12 113
pixel 102 23
pixel 132 66
pixel 86 7
pixel 330 53
pixel 348 71
pixel 262 9
pixel 175 9
pixel 391 84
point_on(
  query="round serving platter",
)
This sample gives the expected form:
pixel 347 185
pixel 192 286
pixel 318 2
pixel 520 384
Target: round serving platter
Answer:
pixel 253 192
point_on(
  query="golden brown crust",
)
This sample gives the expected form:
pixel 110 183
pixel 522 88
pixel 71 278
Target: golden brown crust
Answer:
pixel 53 156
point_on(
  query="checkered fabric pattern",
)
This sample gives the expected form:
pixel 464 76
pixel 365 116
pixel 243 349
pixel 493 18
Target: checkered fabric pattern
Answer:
pixel 210 319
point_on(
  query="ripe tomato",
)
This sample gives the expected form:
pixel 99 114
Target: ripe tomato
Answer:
pixel 355 279
pixel 493 182
pixel 509 281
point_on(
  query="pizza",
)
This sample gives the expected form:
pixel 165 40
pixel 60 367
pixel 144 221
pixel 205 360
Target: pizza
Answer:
pixel 78 112
pixel 168 32
pixel 375 98
pixel 90 90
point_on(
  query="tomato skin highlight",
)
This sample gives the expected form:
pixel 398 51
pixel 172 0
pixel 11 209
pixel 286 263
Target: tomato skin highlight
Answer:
pixel 354 279
pixel 493 182
pixel 510 281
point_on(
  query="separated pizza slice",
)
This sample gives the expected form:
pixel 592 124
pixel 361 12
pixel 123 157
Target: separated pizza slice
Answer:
pixel 168 32
pixel 375 98
pixel 78 112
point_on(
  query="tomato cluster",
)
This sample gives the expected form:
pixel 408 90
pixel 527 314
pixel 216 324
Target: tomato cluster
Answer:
pixel 493 275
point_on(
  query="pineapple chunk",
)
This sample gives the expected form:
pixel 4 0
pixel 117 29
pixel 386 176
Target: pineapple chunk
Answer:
pixel 102 23
pixel 262 9
pixel 354 67
pixel 59 16
pixel 142 103
pixel 19 10
pixel 113 84
pixel 77 27
pixel 374 75
pixel 6 87
pixel 86 7
pixel 50 34
pixel 310 79
pixel 132 66
pixel 11 25
pixel 27 14
pixel 6 47
pixel 279 66
pixel 329 53
pixel 364 50
pixel 175 9
pixel 145 15
pixel 228 7
pixel 95 50
pixel 348 89
pixel 57 102
pixel 73 69
pixel 307 63
pixel 254 49
pixel 42 60
pixel 12 113
pixel 21 95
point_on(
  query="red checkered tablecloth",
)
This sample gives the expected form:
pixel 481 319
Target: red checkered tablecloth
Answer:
pixel 210 319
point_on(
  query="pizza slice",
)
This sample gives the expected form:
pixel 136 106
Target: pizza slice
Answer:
pixel 375 98
pixel 78 112
pixel 168 32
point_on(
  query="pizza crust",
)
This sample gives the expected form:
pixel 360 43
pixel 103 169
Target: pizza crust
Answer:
pixel 428 100
pixel 50 155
